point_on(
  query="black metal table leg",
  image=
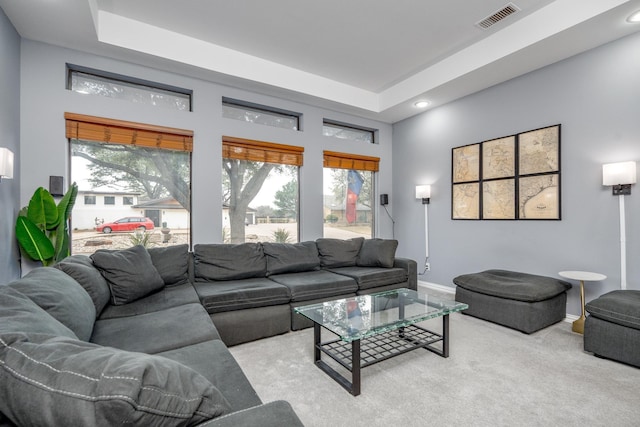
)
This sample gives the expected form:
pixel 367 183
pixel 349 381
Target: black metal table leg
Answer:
pixel 316 342
pixel 445 335
pixel 355 367
pixel 352 387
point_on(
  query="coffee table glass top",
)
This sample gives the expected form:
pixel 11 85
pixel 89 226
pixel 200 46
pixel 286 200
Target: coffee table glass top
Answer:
pixel 366 315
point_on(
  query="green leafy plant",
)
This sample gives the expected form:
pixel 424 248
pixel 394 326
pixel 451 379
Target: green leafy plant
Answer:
pixel 142 238
pixel 281 236
pixel 331 218
pixel 42 226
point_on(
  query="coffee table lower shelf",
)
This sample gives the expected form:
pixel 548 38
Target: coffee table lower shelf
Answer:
pixel 358 354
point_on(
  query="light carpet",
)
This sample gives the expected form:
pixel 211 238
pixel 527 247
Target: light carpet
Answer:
pixel 494 376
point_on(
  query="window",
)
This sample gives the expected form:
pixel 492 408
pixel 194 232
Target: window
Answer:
pixel 156 169
pixel 127 200
pixel 260 191
pixel 109 200
pixel 94 82
pixel 348 195
pixel 260 114
pixel 344 131
pixel 89 200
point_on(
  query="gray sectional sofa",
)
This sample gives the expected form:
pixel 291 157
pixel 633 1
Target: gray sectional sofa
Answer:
pixel 120 338
pixel 250 289
pixel 127 337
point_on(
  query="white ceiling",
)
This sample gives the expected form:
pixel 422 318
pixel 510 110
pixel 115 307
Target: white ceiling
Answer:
pixel 372 58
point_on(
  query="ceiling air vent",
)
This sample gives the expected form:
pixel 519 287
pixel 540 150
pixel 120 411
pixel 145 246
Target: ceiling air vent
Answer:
pixel 498 16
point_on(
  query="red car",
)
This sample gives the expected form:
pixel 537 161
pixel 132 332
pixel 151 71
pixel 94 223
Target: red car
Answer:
pixel 130 223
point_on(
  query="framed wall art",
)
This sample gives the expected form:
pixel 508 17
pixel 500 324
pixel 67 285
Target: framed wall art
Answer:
pixel 507 178
pixel 466 163
pixel 466 201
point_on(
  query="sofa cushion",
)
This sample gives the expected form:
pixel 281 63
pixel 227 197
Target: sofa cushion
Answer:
pixel 81 268
pixel 212 360
pixel 621 307
pixel 61 381
pixel 157 331
pixel 167 297
pixel 315 284
pixel 60 296
pixel 513 285
pixel 129 273
pixel 172 263
pixel 229 262
pixel 291 257
pixel 18 313
pixel 241 294
pixel 377 253
pixel 373 277
pixel 339 253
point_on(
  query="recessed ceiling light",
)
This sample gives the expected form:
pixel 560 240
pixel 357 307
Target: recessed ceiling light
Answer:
pixel 421 104
pixel 634 17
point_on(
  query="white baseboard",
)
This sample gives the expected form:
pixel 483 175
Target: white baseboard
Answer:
pixel 437 287
pixel 570 318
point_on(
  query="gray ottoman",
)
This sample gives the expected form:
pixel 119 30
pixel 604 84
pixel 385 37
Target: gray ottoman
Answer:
pixel 612 328
pixel 521 301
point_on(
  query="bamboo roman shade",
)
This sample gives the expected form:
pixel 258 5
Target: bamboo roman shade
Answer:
pixel 337 160
pixel 259 151
pixel 100 129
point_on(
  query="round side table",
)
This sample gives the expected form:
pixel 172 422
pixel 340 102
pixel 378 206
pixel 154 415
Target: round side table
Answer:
pixel 582 276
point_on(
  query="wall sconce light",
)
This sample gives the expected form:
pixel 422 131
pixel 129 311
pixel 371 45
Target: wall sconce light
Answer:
pixel 6 163
pixel 423 192
pixel 619 176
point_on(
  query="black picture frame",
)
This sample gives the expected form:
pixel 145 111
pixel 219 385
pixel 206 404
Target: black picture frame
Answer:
pixel 514 177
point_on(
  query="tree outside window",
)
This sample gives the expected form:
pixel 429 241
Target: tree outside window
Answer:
pixel 260 191
pixel 348 203
pixel 348 207
pixel 144 164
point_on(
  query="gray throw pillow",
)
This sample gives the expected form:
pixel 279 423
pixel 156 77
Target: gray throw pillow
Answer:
pixel 229 262
pixel 172 263
pixel 63 382
pixel 83 271
pixel 291 257
pixel 62 297
pixel 129 273
pixel 19 314
pixel 339 253
pixel 377 253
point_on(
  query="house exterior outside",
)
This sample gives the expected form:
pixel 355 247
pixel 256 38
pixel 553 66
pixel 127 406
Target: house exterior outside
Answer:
pixel 164 210
pixel 96 207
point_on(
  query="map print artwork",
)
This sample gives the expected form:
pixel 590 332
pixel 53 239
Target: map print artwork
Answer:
pixel 466 163
pixel 466 201
pixel 499 158
pixel 513 177
pixel 498 199
pixel 539 151
pixel 539 197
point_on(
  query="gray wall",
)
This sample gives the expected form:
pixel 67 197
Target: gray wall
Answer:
pixel 595 96
pixel 44 100
pixel 10 131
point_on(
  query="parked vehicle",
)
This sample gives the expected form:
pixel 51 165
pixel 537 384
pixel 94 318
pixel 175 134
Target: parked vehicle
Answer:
pixel 130 223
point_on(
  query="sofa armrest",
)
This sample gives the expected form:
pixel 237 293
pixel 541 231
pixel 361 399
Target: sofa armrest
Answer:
pixel 412 271
pixel 272 414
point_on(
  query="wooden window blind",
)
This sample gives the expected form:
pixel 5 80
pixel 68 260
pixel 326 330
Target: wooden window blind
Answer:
pixel 337 160
pixel 259 151
pixel 100 129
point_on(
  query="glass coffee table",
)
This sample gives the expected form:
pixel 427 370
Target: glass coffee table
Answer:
pixel 376 327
